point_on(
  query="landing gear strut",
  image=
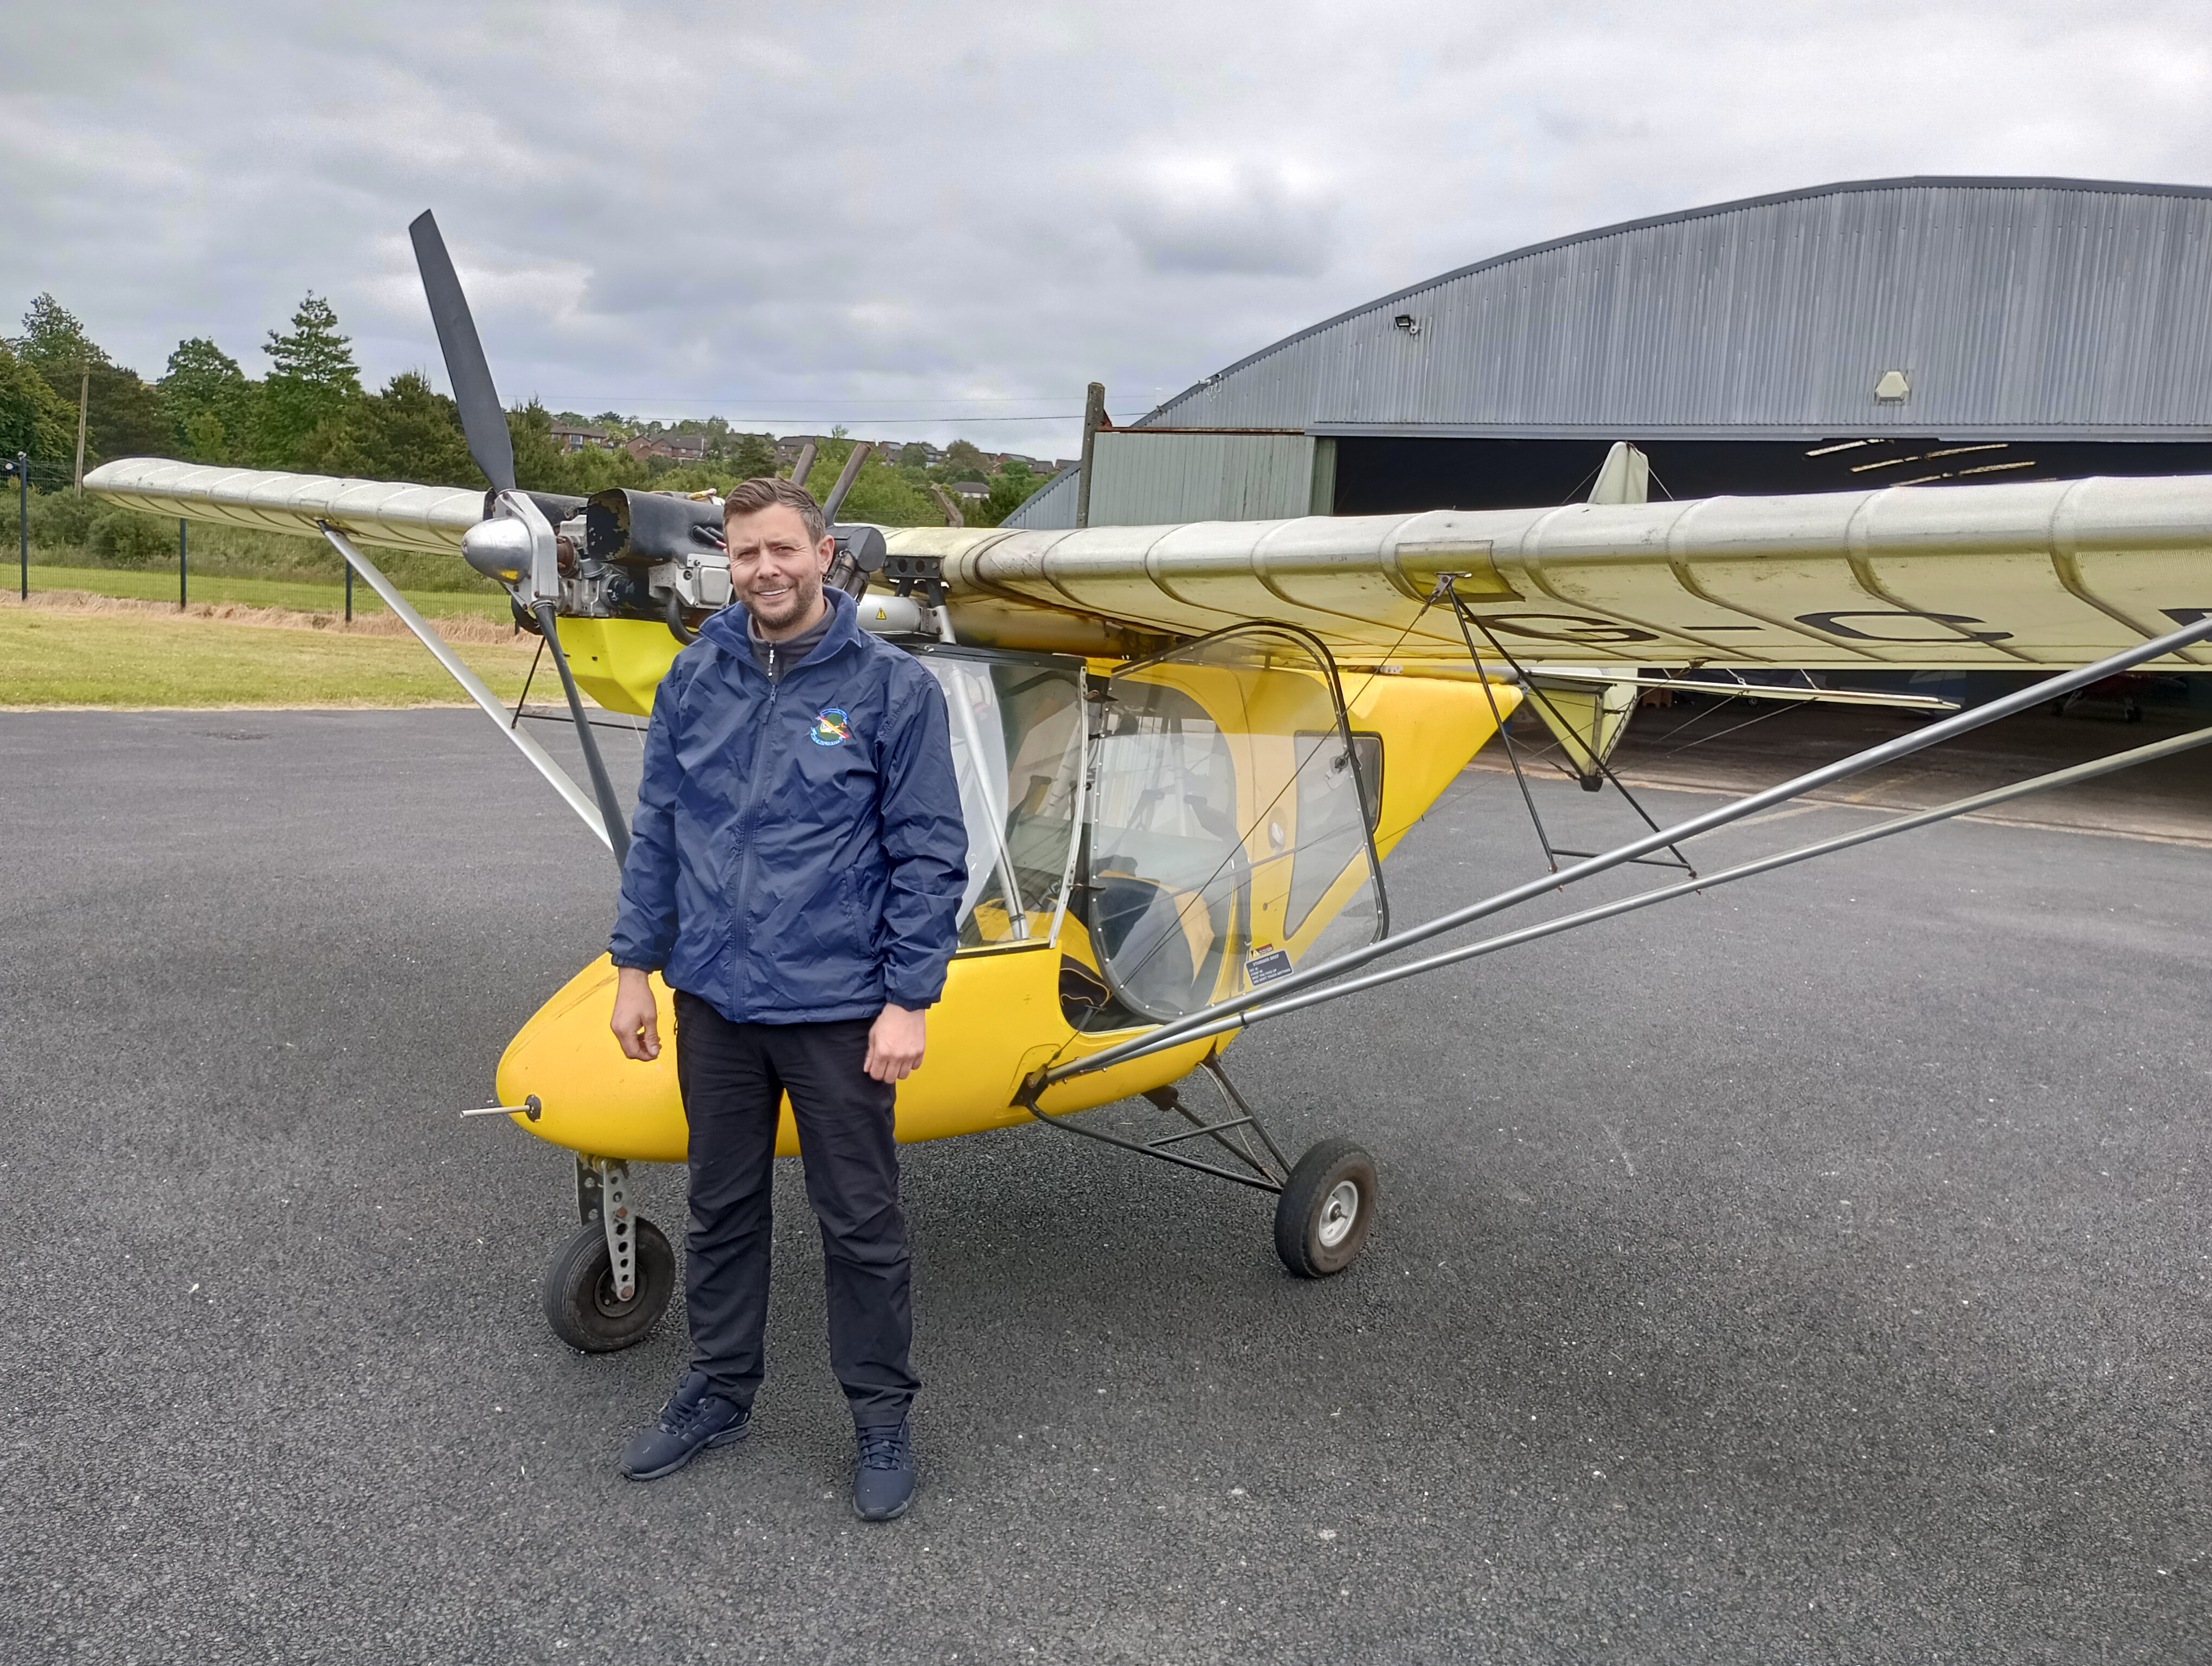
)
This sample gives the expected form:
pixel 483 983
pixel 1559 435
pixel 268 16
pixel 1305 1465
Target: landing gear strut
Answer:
pixel 1324 1203
pixel 608 1285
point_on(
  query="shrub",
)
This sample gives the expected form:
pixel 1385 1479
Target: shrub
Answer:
pixel 127 538
pixel 63 519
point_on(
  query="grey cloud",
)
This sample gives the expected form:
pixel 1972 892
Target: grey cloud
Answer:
pixel 946 216
pixel 1243 217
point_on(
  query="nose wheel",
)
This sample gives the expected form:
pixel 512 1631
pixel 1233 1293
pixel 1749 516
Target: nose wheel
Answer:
pixel 587 1308
pixel 610 1280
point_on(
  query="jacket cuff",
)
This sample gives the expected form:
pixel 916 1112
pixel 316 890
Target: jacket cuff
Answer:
pixel 914 998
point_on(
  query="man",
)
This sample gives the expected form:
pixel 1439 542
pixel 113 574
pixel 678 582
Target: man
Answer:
pixel 794 873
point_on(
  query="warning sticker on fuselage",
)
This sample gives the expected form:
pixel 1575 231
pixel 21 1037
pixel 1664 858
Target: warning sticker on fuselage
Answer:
pixel 1266 966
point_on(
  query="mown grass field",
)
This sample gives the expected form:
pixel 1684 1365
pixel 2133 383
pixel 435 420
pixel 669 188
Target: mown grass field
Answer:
pixel 59 659
pixel 305 596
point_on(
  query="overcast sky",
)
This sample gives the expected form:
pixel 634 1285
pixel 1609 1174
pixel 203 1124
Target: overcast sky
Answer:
pixel 915 220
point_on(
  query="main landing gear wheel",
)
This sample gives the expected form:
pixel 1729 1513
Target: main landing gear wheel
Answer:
pixel 1324 1212
pixel 581 1302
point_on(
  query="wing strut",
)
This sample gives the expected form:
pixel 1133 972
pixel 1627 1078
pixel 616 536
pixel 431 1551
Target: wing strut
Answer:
pixel 1600 772
pixel 471 685
pixel 2068 777
pixel 1224 1014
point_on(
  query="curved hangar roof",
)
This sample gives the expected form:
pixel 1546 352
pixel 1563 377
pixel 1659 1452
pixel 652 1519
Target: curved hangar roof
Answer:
pixel 2006 308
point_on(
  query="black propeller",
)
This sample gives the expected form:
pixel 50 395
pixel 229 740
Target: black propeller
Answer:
pixel 484 419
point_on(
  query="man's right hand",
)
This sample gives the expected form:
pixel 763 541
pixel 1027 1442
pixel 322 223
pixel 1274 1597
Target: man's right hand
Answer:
pixel 637 1015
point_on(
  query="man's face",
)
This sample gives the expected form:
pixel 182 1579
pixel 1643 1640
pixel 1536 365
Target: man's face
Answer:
pixel 774 567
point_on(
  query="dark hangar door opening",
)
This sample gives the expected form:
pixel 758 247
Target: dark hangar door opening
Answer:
pixel 1394 476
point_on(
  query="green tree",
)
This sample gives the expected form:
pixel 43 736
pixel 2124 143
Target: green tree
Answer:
pixel 338 445
pixel 409 432
pixel 964 461
pixel 314 379
pixel 914 456
pixel 417 434
pixel 539 464
pixel 54 344
pixel 315 352
pixel 210 402
pixel 754 457
pixel 1008 493
pixel 123 416
pixel 34 418
pixel 126 416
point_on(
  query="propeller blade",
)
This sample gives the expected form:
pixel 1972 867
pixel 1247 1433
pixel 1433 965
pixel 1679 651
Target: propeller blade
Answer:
pixel 484 419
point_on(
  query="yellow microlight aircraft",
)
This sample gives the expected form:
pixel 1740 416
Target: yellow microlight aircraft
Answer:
pixel 1184 751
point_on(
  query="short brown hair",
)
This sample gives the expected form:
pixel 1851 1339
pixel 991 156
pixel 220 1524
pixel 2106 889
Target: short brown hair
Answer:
pixel 749 497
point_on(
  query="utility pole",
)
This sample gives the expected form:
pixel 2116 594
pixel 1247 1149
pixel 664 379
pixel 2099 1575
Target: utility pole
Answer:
pixel 181 534
pixel 1094 418
pixel 83 404
pixel 23 515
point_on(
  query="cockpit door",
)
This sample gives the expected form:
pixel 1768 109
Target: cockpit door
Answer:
pixel 1231 821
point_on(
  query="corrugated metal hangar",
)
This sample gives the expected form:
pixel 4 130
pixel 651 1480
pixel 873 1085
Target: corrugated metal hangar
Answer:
pixel 1879 333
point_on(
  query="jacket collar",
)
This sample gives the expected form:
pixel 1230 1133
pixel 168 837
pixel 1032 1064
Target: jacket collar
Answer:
pixel 728 631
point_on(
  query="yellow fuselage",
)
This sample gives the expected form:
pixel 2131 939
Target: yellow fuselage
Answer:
pixel 1000 1017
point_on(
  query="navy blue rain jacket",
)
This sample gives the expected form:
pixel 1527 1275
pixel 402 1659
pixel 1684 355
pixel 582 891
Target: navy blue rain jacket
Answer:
pixel 799 853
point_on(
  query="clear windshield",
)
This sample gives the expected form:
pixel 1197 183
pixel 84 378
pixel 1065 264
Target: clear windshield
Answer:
pixel 1018 753
pixel 1229 823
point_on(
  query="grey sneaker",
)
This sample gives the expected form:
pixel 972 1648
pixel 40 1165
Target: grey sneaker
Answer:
pixel 692 1420
pixel 884 1479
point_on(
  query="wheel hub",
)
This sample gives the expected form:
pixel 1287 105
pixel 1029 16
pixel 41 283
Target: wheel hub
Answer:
pixel 609 1300
pixel 1338 1212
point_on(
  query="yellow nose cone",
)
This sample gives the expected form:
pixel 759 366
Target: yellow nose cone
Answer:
pixel 594 1098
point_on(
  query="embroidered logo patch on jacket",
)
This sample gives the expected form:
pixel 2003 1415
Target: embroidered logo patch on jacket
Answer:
pixel 832 728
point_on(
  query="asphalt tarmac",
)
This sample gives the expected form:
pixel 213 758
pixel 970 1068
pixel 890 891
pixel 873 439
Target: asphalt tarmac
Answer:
pixel 1814 1270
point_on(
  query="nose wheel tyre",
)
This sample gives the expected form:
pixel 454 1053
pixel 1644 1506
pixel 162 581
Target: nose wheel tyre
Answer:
pixel 1323 1214
pixel 582 1303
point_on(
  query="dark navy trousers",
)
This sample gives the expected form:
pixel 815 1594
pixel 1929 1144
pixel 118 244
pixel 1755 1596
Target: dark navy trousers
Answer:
pixel 733 1077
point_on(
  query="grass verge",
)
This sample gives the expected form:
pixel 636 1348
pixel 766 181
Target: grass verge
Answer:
pixel 300 595
pixel 51 658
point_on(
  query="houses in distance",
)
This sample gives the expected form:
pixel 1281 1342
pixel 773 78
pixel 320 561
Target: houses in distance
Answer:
pixel 681 446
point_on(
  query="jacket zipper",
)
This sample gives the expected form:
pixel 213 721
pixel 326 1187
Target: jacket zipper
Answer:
pixel 762 734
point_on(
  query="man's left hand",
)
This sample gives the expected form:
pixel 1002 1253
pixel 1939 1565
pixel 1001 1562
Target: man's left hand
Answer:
pixel 895 1044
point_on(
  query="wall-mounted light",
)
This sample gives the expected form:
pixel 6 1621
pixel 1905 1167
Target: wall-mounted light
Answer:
pixel 1893 389
pixel 1408 323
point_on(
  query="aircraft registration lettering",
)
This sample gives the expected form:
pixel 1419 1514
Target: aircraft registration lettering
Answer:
pixel 1832 623
pixel 1580 628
